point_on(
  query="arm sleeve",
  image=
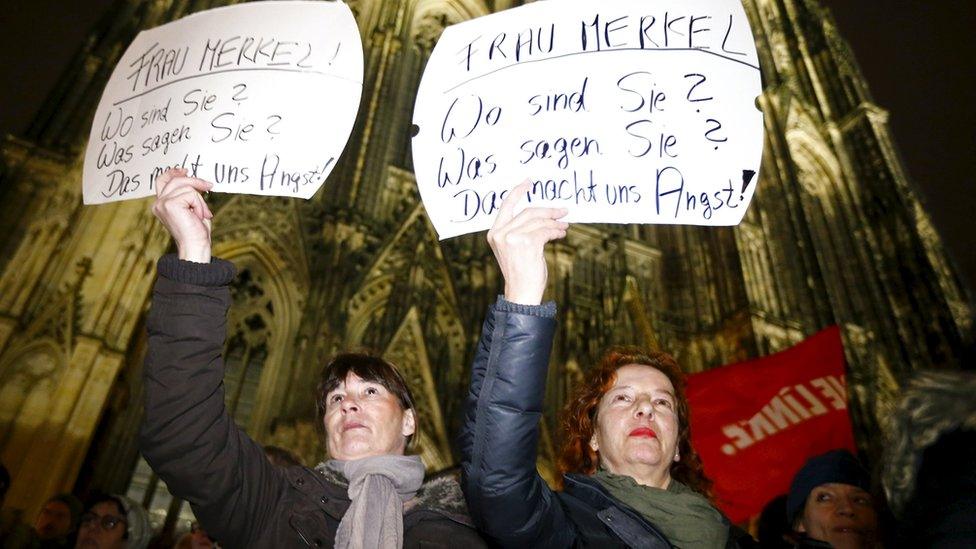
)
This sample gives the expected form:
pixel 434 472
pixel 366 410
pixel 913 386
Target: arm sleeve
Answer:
pixel 510 503
pixel 187 435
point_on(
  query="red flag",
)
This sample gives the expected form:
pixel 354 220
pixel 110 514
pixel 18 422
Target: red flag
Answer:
pixel 755 423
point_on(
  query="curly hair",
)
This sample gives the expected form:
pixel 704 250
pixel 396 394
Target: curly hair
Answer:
pixel 579 416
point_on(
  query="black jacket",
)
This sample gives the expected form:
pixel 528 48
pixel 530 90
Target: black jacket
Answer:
pixel 511 504
pixel 197 449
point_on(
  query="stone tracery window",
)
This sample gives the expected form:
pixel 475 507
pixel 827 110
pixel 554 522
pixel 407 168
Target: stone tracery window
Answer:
pixel 246 349
pixel 27 387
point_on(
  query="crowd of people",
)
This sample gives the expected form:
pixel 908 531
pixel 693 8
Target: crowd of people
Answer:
pixel 629 474
pixel 103 521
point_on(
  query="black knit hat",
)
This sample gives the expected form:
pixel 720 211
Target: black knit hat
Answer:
pixel 836 466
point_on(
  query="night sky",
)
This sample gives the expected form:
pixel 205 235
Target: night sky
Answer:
pixel 919 58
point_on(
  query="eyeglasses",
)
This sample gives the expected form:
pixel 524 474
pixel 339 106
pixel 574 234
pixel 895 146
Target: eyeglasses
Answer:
pixel 107 522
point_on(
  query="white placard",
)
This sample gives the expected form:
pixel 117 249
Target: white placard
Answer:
pixel 622 111
pixel 258 98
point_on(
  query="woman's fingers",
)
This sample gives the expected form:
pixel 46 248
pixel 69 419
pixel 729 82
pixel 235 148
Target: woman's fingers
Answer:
pixel 530 214
pixel 187 198
pixel 178 183
pixel 537 229
pixel 181 208
pixel 518 242
pixel 166 177
pixel 508 205
pixel 176 192
pixel 507 223
pixel 200 207
pixel 520 230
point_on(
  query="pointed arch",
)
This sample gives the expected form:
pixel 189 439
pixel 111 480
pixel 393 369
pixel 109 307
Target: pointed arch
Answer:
pixel 281 315
pixel 263 237
pixel 829 208
pixel 29 377
pixel 400 253
pixel 408 350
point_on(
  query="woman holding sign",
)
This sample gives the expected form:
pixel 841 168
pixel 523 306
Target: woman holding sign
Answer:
pixel 369 494
pixel 631 477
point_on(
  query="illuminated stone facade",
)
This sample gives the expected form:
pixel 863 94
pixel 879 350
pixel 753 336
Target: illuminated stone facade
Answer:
pixel 836 234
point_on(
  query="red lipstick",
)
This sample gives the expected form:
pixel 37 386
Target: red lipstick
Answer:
pixel 643 432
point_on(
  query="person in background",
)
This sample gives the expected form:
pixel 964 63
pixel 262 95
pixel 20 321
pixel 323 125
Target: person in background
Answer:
pixel 929 470
pixel 829 504
pixel 630 475
pixel 368 494
pixel 55 526
pixel 57 522
pixel 114 522
pixel 774 530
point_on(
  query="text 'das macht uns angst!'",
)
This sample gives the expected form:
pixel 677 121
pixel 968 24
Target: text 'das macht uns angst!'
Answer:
pixel 620 111
pixel 236 95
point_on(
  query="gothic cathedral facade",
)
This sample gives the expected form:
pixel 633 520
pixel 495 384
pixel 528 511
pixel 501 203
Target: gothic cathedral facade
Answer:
pixel 835 235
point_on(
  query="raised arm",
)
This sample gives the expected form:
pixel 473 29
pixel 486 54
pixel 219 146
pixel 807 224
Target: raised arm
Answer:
pixel 187 436
pixel 509 501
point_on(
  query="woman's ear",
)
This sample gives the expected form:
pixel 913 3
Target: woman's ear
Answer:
pixel 409 423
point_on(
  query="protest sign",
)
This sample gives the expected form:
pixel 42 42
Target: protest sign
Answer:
pixel 755 423
pixel 258 98
pixel 622 111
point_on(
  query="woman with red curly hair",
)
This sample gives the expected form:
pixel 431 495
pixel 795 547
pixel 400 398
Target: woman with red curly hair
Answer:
pixel 609 383
pixel 630 475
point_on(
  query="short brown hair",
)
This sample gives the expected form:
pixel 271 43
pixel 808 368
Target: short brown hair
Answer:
pixel 368 367
pixel 579 415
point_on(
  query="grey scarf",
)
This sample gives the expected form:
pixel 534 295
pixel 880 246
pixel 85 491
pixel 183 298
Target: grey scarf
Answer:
pixel 378 486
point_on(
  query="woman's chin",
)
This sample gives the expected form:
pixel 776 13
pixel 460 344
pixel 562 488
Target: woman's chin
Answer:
pixel 646 458
pixel 645 451
pixel 360 451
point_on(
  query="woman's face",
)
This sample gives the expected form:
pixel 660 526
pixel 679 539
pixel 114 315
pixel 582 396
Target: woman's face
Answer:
pixel 636 432
pixel 93 534
pixel 54 521
pixel 840 514
pixel 364 419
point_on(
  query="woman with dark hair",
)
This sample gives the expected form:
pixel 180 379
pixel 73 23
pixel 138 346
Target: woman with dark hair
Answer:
pixel 630 475
pixel 367 494
pixel 113 522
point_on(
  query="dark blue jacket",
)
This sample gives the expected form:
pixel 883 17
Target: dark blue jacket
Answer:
pixel 510 503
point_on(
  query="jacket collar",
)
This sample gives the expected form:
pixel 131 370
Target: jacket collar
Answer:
pixel 440 493
pixel 628 524
pixel 588 489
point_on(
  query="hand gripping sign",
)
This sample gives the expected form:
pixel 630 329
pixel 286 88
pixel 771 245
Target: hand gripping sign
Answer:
pixel 258 98
pixel 622 111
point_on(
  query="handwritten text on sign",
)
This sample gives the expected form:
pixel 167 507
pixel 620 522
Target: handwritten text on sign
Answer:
pixel 621 111
pixel 258 98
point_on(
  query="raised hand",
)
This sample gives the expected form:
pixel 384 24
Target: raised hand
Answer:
pixel 518 242
pixel 182 209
